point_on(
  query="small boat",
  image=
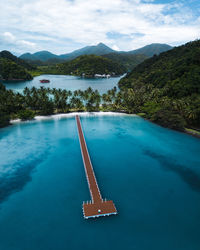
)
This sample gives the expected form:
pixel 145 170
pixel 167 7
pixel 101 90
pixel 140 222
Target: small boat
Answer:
pixel 44 81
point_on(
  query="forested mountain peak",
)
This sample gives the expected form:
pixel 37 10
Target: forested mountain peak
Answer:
pixel 167 87
pixel 99 49
pixel 152 49
pixel 40 55
pixel 178 69
pixel 13 68
pixel 7 55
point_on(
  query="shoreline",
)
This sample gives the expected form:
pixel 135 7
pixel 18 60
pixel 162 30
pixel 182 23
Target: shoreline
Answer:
pixel 87 114
pixel 72 114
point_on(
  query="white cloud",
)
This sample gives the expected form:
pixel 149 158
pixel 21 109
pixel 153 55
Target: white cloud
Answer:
pixel 27 43
pixel 10 41
pixel 115 47
pixel 56 24
pixel 9 37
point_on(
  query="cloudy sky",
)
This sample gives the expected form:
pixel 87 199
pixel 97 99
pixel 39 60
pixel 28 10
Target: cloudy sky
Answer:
pixel 61 26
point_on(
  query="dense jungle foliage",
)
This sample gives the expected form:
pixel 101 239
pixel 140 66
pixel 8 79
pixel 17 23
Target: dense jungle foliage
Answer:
pixel 166 88
pixel 129 61
pixel 13 68
pixel 91 65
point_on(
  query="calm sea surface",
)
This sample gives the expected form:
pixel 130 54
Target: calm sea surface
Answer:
pixel 66 82
pixel 151 173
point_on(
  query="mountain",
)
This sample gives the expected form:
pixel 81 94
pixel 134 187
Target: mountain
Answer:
pixel 98 50
pixel 41 56
pixel 152 49
pixel 91 65
pixel 28 56
pixel 177 69
pixel 167 87
pixel 7 55
pixel 13 68
pixel 128 60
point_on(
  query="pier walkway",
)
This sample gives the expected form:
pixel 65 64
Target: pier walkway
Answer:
pixel 97 206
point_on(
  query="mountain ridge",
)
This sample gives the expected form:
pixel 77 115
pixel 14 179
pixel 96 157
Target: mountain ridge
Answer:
pixel 152 49
pixel 99 50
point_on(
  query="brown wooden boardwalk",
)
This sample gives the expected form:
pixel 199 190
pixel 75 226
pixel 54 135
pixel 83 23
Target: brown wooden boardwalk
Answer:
pixel 97 206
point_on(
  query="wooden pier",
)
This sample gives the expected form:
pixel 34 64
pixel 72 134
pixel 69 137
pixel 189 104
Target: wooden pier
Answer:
pixel 97 206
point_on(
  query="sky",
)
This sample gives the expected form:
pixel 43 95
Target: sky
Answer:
pixel 61 26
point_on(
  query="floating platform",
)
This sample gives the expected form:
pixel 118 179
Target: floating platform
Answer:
pixel 103 208
pixel 97 206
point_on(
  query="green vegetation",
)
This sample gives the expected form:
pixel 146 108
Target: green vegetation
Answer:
pixel 13 68
pixel 53 63
pixel 36 73
pixel 7 55
pixel 90 65
pixel 4 113
pixel 129 61
pixel 87 65
pixel 167 87
pixel 45 101
pixel 90 60
pixel 26 114
pixel 152 49
pixel 11 71
pixel 41 70
pixel 193 132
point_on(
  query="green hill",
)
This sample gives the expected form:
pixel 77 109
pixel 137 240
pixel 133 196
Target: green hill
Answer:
pixel 7 55
pixel 98 50
pixel 40 55
pixel 128 60
pixel 152 49
pixel 10 71
pixel 91 65
pixel 168 85
pixel 13 68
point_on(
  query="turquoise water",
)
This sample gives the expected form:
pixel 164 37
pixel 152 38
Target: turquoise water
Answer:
pixel 151 173
pixel 66 82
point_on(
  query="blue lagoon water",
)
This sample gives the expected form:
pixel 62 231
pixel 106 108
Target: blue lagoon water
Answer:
pixel 66 82
pixel 151 173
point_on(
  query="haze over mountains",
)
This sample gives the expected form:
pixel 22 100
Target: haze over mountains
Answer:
pixel 100 49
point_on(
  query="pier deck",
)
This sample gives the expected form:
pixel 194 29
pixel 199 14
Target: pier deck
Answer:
pixel 97 206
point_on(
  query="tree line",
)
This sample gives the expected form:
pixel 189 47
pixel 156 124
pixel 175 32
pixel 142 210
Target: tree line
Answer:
pixel 147 101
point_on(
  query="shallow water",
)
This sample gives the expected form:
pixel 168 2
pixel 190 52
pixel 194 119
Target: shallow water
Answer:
pixel 66 82
pixel 152 174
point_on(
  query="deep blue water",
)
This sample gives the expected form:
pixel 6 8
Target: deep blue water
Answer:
pixel 66 82
pixel 152 174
